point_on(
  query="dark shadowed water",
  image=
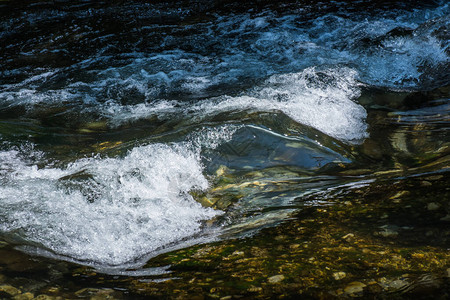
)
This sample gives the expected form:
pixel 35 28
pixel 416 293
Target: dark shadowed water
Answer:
pixel 130 129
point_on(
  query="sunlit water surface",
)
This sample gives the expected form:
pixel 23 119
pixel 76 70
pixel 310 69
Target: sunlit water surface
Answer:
pixel 130 130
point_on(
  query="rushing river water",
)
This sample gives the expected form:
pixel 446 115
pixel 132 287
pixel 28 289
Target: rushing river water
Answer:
pixel 132 129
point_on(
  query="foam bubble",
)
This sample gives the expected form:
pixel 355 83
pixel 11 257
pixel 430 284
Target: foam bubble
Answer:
pixel 212 138
pixel 320 99
pixel 404 61
pixel 106 211
pixel 233 52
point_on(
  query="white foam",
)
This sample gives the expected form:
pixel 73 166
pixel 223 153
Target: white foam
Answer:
pixel 213 138
pixel 114 211
pixel 111 211
pixel 320 99
pixel 252 48
pixel 400 61
pixel 118 114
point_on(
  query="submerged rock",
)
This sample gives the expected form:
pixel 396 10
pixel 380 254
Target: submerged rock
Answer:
pixel 354 287
pixel 339 275
pixel 275 279
pixel 9 290
pixel 433 206
pixel 24 296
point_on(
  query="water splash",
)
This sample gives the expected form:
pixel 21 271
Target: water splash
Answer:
pixel 309 67
pixel 107 211
pixel 322 99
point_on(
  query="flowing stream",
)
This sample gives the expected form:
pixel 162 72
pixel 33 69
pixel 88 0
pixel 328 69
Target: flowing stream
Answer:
pixel 131 129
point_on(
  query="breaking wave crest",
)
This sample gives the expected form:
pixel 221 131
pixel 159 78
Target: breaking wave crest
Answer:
pixel 108 211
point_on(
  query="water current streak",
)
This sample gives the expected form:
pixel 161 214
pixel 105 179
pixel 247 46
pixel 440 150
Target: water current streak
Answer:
pixel 131 128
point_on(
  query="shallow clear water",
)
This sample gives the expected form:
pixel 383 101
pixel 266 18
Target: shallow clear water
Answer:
pixel 127 130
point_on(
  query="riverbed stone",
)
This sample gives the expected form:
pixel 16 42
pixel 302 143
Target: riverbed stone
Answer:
pixel 349 237
pixel 354 287
pixel 24 296
pixel 434 177
pixel 446 218
pixel 400 195
pixel 388 231
pixel 19 262
pixel 339 275
pixel 276 279
pixel 393 284
pixel 255 289
pixel 46 297
pixel 86 292
pixel 433 206
pixel 398 284
pixel 9 289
